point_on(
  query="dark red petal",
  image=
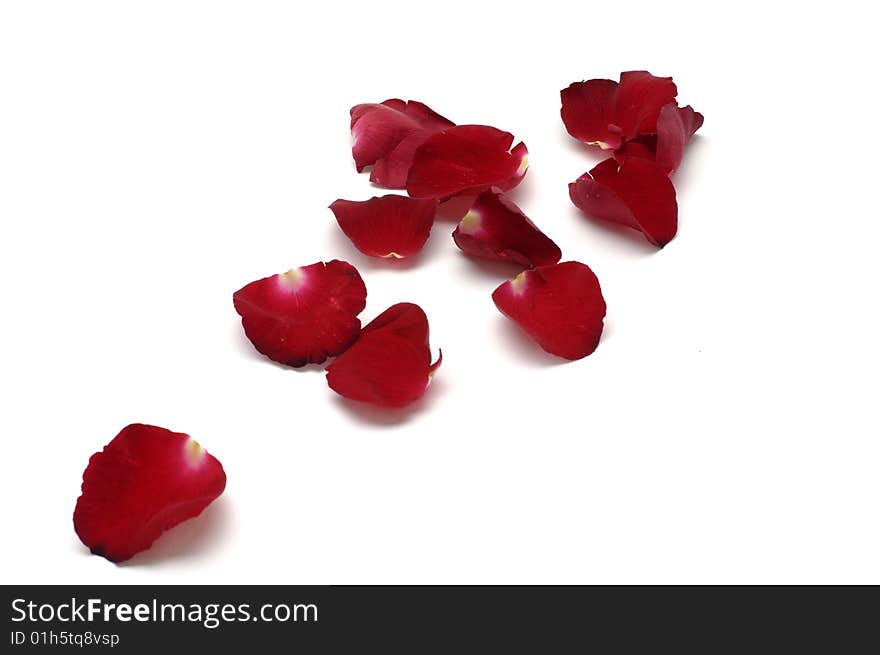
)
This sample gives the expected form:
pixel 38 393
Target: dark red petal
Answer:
pixel 560 306
pixel 675 127
pixel 390 226
pixel 390 364
pixel 466 159
pixel 607 114
pixel 587 110
pixel 495 228
pixel 636 193
pixel 305 315
pixel 379 128
pixel 406 320
pixel 640 97
pixel 144 482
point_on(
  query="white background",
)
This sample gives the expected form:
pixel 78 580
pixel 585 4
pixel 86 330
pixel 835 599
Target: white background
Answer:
pixel 155 157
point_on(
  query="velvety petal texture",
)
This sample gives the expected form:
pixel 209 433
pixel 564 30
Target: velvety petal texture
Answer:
pixel 605 113
pixel 390 364
pixel 144 482
pixel 495 228
pixel 560 306
pixel 635 192
pixel 387 134
pixel 388 226
pixel 466 159
pixel 304 315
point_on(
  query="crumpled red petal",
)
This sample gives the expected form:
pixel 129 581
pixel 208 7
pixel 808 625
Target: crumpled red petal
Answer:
pixel 387 134
pixel 304 315
pixel 145 481
pixel 390 364
pixel 559 306
pixel 607 113
pixel 388 226
pixel 495 228
pixel 675 128
pixel 466 159
pixel 635 192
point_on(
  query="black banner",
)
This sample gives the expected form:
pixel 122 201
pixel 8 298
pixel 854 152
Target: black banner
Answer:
pixel 416 619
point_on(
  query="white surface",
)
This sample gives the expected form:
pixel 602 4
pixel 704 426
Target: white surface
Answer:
pixel 154 157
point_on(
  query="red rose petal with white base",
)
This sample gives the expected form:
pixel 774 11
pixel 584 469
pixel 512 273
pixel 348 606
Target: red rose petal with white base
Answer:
pixel 559 306
pixel 305 315
pixel 388 226
pixel 495 228
pixel 144 482
pixel 635 192
pixel 466 159
pixel 390 364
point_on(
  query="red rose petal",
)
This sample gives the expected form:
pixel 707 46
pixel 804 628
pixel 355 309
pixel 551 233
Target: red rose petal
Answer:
pixel 636 193
pixel 391 171
pixel 559 306
pixel 405 320
pixel 390 364
pixel 606 113
pixel 675 127
pixel 640 97
pixel 495 228
pixel 386 135
pixel 389 226
pixel 144 482
pixel 466 159
pixel 587 111
pixel 305 315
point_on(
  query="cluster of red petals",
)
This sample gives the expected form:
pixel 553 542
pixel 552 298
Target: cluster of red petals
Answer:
pixel 675 127
pixel 640 120
pixel 388 226
pixel 305 315
pixel 386 136
pixel 412 147
pixel 495 228
pixel 309 314
pixel 149 479
pixel 635 192
pixel 145 481
pixel 606 113
pixel 466 159
pixel 560 306
pixel 390 364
